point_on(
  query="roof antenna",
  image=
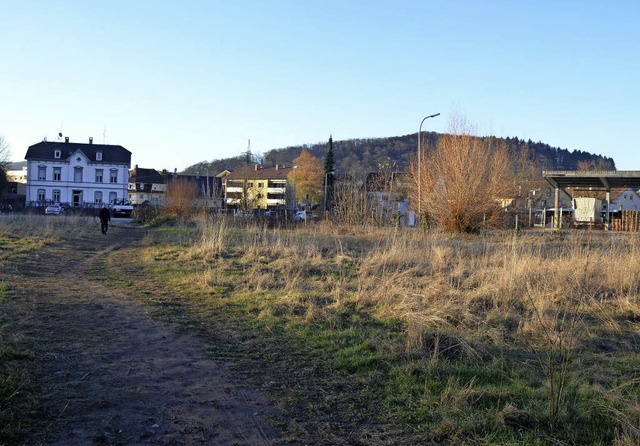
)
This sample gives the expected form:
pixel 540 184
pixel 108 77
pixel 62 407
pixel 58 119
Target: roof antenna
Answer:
pixel 104 135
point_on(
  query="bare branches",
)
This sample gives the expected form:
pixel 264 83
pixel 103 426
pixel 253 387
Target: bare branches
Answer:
pixel 180 198
pixel 5 154
pixel 463 179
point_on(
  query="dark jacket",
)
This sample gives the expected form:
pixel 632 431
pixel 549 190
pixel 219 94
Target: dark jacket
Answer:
pixel 105 215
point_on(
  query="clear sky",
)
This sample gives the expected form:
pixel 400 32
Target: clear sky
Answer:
pixel 179 82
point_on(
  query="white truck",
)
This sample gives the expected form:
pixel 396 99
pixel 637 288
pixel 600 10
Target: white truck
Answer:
pixel 587 210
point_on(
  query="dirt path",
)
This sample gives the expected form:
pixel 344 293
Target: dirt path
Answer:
pixel 112 376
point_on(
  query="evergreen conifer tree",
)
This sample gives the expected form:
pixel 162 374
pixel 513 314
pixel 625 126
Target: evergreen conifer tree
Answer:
pixel 329 172
pixel 329 160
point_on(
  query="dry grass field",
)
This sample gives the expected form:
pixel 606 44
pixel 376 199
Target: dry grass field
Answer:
pixel 392 336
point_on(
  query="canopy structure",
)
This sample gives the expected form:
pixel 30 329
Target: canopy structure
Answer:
pixel 594 180
pixel 597 179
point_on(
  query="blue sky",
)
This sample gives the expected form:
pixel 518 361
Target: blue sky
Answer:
pixel 179 82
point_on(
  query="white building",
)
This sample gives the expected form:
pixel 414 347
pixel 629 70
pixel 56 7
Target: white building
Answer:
pixel 17 176
pixel 626 200
pixel 76 174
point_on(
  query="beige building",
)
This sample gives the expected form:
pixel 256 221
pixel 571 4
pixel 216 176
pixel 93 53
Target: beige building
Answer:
pixel 256 187
pixel 17 176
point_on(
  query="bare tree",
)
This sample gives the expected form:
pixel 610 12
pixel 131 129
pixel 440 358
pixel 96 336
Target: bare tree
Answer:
pixel 384 190
pixel 5 154
pixel 5 158
pixel 351 205
pixel 180 198
pixel 594 164
pixel 464 178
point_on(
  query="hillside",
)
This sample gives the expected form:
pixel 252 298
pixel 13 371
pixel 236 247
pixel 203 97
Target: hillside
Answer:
pixel 358 156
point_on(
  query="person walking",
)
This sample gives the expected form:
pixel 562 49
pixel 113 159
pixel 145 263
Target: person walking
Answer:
pixel 105 218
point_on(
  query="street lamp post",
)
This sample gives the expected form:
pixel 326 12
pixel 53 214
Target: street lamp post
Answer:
pixel 420 165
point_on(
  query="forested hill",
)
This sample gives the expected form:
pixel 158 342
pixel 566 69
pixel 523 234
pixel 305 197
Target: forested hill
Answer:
pixel 365 155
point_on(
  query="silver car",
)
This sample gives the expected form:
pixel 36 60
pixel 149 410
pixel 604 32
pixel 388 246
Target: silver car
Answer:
pixel 53 209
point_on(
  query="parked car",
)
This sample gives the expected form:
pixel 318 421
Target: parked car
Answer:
pixel 303 216
pixel 53 209
pixel 243 214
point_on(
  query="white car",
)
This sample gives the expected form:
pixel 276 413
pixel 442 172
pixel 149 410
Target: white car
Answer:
pixel 243 214
pixel 53 209
pixel 302 216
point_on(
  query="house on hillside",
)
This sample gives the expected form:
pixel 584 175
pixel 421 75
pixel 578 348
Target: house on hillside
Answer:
pixel 146 186
pixel 544 199
pixel 625 200
pixel 256 187
pixel 541 205
pixel 76 174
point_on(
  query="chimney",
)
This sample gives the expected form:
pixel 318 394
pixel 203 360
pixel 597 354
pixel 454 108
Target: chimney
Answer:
pixel 66 139
pixel 91 140
pixel 256 167
pixel 276 167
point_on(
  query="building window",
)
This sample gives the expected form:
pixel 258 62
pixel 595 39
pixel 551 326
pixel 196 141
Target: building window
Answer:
pixel 41 196
pixel 99 175
pixel 113 176
pixel 57 154
pixel 57 174
pixel 42 173
pixel 97 197
pixel 77 174
pixel 56 195
pixel 98 156
pixel 112 197
pixel 260 185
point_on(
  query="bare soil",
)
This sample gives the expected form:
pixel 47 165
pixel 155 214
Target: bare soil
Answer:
pixel 108 374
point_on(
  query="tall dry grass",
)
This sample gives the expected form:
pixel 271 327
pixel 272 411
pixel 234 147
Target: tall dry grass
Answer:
pixel 44 227
pixel 555 295
pixel 438 281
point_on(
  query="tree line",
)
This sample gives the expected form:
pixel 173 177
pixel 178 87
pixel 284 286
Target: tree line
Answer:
pixel 361 156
